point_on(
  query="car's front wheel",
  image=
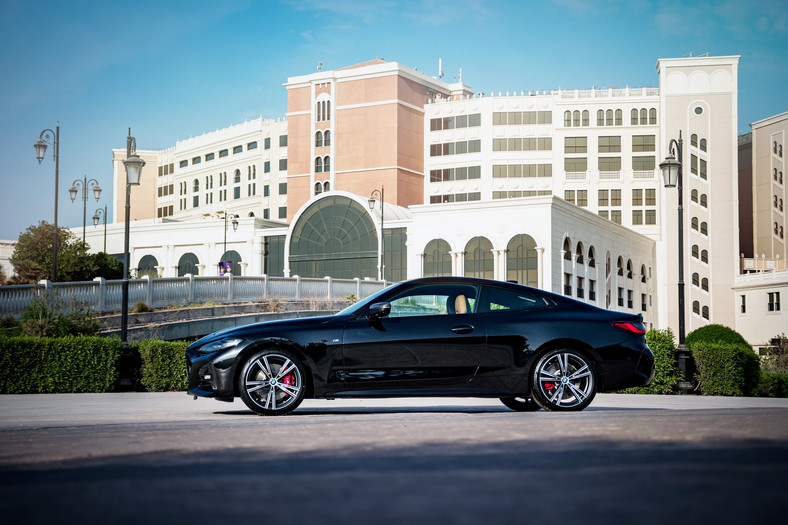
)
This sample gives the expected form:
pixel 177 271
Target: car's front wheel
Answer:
pixel 521 404
pixel 271 382
pixel 564 380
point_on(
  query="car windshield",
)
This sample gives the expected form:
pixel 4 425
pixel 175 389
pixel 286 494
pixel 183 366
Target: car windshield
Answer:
pixel 355 307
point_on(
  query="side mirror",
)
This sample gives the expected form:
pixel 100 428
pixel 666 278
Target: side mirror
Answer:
pixel 379 310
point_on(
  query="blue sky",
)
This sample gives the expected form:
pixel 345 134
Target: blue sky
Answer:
pixel 171 70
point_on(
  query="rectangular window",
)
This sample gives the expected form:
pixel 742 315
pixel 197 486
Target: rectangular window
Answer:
pixel 582 197
pixel 209 156
pixel 703 169
pixel 196 201
pixel 609 144
pixel 237 192
pixel 694 164
pixel 615 216
pixel 282 188
pixel 545 117
pixel 637 217
pixel 266 191
pixel 282 212
pixel 604 197
pixel 223 153
pixel 575 165
pixel 184 163
pixel 743 304
pixel 651 217
pixel 615 198
pixel 643 143
pixel 499 118
pixel 251 145
pixel 474 146
pixel 282 141
pixel 569 196
pixel 609 163
pixel 651 197
pixel 267 166
pixel 576 145
pixel 774 302
pixel 474 120
pixel 282 164
pixel 643 163
pixel 238 149
pixel 637 197
pixel 267 143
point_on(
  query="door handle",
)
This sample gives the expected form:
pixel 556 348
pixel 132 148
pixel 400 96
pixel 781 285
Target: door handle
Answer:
pixel 462 329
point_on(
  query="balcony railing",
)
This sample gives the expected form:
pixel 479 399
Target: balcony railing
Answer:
pixel 761 264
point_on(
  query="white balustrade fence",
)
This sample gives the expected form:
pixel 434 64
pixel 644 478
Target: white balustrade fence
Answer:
pixel 103 296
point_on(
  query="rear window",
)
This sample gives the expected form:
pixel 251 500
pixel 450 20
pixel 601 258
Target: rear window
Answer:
pixel 500 299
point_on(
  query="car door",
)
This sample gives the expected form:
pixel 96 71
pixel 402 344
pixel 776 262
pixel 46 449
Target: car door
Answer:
pixel 432 337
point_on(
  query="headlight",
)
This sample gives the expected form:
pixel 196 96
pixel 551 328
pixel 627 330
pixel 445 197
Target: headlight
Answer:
pixel 221 344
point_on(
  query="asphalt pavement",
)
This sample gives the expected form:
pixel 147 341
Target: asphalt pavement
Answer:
pixel 165 458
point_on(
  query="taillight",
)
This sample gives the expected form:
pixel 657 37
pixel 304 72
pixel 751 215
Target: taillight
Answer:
pixel 635 328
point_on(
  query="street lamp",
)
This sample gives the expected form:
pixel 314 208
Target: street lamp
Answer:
pixel 133 164
pixel 84 185
pixel 235 228
pixel 672 177
pixel 41 148
pixel 98 215
pixel 378 194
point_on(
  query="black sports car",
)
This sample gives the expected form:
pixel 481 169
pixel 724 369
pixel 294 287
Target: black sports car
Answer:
pixel 437 336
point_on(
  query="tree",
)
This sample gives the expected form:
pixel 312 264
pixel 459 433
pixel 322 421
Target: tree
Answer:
pixel 32 257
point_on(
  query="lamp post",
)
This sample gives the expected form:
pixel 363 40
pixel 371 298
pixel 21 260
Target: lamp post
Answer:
pixel 378 194
pixel 133 164
pixel 672 177
pixel 41 148
pixel 84 185
pixel 235 228
pixel 98 215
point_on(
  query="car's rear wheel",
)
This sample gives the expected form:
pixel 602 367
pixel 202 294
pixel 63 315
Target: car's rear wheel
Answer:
pixel 271 382
pixel 564 380
pixel 521 404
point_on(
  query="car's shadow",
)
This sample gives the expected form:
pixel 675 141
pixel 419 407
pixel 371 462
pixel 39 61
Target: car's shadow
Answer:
pixel 422 410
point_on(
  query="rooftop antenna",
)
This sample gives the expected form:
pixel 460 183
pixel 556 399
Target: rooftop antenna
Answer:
pixel 440 68
pixel 460 76
pixel 319 66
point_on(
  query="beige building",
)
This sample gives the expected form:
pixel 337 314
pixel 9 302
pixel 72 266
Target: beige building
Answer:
pixel 768 188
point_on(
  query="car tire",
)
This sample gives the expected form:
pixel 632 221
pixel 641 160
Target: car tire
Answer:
pixel 272 382
pixel 564 380
pixel 521 404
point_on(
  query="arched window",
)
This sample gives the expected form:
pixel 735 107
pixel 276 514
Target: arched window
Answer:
pixel 609 117
pixel 437 259
pixel 591 257
pixel 633 117
pixel 629 269
pixel 694 223
pixel 234 259
pixel 600 118
pixel 619 117
pixel 694 140
pixel 326 163
pixel 326 186
pixel 237 177
pixel 620 266
pixel 704 228
pixel 327 138
pixel 567 119
pixel 695 279
pixel 703 144
pixel 318 165
pixel 147 266
pixel 774 147
pixel 576 118
pixel 704 200
pixel 704 284
pixel 695 251
pixel 328 110
pixel 196 185
pixel 775 173
pixel 780 154
pixel 187 264
pixel 585 117
pixel 705 312
pixel 479 258
pixel 319 139
pixel 694 195
pixel 642 273
pixel 318 113
pixel 704 256
pixel 607 266
pixel 318 188
pixel 696 307
pixel 643 116
pixel 579 253
pixel 522 261
pixel 774 199
pixel 567 249
pixel 652 116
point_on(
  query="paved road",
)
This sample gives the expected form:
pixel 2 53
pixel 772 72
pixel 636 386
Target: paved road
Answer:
pixel 163 458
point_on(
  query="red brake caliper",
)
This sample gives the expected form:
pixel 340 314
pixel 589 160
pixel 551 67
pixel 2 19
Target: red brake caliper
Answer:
pixel 288 380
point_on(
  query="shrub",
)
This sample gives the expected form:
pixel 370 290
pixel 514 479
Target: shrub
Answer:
pixel 667 374
pixel 57 365
pixel 715 333
pixel 726 369
pixel 773 385
pixel 141 307
pixel 49 316
pixel 163 365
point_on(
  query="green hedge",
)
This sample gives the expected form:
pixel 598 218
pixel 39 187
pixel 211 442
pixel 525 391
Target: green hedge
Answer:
pixel 725 369
pixel 163 365
pixel 37 365
pixel 667 374
pixel 773 385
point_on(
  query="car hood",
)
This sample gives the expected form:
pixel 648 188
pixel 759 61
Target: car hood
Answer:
pixel 257 329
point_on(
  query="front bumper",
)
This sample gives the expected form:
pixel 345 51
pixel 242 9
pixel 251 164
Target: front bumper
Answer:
pixel 208 378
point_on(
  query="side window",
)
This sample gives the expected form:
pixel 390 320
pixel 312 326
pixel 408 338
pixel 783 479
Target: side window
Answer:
pixel 435 299
pixel 499 299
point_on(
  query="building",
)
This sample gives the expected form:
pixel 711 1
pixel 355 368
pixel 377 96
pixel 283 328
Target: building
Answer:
pixel 531 186
pixel 768 188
